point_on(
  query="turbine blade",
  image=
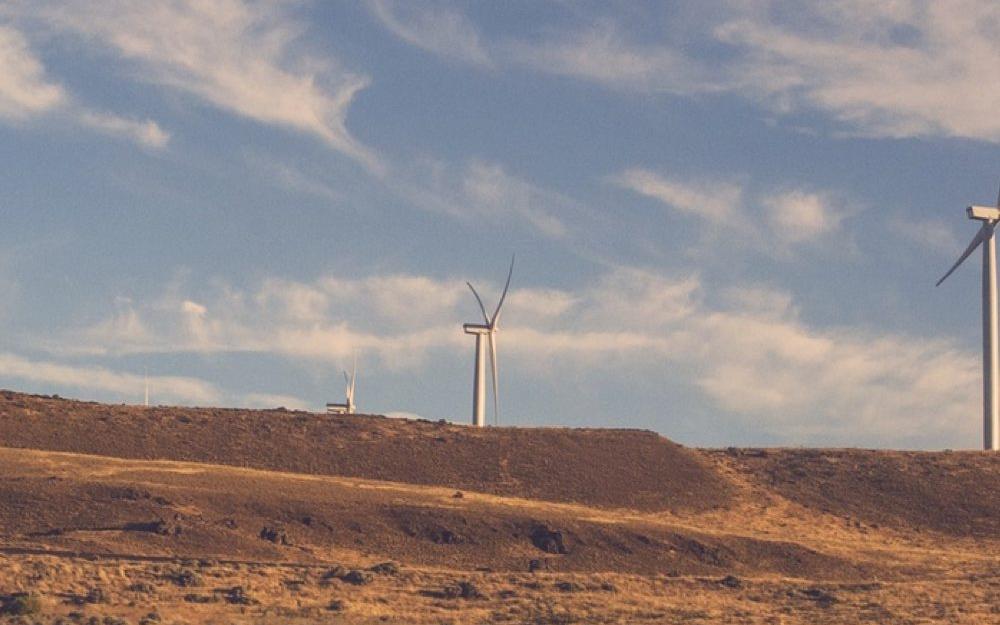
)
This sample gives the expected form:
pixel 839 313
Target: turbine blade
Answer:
pixel 480 300
pixel 976 240
pixel 493 368
pixel 503 296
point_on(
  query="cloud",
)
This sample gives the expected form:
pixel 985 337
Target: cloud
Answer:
pixel 436 28
pixel 711 201
pixel 798 216
pixel 773 222
pixel 25 90
pixel 269 400
pixel 884 69
pixel 486 192
pixel 240 57
pixel 907 68
pixel 95 378
pixel 147 133
pixel 603 55
pixel 745 349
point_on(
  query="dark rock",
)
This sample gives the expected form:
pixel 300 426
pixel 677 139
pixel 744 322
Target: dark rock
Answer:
pixel 356 577
pixel 731 581
pixel 385 568
pixel 538 565
pixel 549 541
pixel 276 535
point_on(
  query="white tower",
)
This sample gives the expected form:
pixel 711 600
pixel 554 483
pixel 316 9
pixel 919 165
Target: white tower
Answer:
pixel 991 355
pixel 486 338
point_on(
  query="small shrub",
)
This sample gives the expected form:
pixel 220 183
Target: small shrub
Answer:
pixel 25 604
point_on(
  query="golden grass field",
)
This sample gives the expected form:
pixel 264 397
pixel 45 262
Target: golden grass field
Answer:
pixel 779 536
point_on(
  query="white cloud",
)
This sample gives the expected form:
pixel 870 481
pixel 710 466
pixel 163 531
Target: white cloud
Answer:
pixel 25 90
pixel 750 354
pixel 94 378
pixel 711 201
pixel 270 400
pixel 774 223
pixel 798 216
pixel 241 57
pixel 603 55
pixel 487 192
pixel 147 133
pixel 436 28
pixel 901 69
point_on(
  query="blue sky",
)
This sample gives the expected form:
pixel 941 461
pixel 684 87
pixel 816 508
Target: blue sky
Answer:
pixel 728 217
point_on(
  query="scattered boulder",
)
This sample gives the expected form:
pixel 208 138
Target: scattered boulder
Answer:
pixel 357 577
pixel 463 590
pixel 276 535
pixel 538 565
pixel 385 568
pixel 548 540
pixel 731 581
pixel 237 595
pixel 186 578
pixel 568 586
pixel 21 604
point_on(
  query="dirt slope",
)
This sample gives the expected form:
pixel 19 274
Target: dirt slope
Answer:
pixel 621 468
pixel 953 493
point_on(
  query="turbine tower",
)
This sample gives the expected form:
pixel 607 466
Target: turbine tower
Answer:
pixel 486 338
pixel 991 355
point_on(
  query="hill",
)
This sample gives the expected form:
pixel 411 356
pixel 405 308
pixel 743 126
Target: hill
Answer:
pixel 545 525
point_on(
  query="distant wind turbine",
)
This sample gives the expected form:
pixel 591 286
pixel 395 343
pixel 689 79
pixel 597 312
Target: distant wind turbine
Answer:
pixel 991 354
pixel 348 406
pixel 486 332
pixel 145 373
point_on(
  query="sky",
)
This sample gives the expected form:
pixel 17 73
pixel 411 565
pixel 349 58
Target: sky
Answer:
pixel 728 217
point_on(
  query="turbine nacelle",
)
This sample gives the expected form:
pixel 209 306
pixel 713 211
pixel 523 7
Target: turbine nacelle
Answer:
pixel 984 213
pixel 476 328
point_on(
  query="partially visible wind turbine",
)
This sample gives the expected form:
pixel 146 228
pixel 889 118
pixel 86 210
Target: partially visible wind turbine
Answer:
pixel 486 332
pixel 349 392
pixel 991 354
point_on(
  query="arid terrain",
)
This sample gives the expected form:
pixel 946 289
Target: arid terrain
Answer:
pixel 125 514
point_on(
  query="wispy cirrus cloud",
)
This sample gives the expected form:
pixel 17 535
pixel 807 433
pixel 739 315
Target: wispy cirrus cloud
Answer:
pixel 439 29
pixel 245 58
pixel 878 69
pixel 487 192
pixel 28 92
pixel 775 221
pixel 25 89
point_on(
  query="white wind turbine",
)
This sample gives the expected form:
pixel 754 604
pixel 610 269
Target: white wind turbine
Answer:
pixel 348 406
pixel 486 332
pixel 349 391
pixel 991 355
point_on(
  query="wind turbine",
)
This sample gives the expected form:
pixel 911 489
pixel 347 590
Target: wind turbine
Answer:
pixel 349 392
pixel 486 334
pixel 348 406
pixel 991 354
pixel 145 373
